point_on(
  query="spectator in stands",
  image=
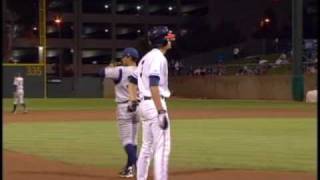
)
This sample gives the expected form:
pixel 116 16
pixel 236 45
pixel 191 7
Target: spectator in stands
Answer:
pixel 243 71
pixel 203 71
pixel 189 71
pixel 197 71
pixel 281 60
pixel 236 52
pixel 276 45
pixel 209 70
pixel 176 67
pixel 181 67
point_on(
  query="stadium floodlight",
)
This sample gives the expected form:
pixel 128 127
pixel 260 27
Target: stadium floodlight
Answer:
pixel 58 20
pixel 267 20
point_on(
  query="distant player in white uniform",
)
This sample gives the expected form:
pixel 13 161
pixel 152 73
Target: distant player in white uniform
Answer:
pixel 18 94
pixel 151 78
pixel 127 121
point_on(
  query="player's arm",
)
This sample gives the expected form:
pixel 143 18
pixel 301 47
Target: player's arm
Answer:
pixel 155 93
pixel 156 97
pixel 154 80
pixel 132 91
pixel 111 72
pixel 133 86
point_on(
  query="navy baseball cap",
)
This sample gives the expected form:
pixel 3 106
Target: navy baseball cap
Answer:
pixel 130 52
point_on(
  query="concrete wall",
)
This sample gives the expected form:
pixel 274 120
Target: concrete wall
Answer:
pixel 276 87
pixel 85 87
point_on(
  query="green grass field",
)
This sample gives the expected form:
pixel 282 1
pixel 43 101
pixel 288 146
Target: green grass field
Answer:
pixel 100 104
pixel 254 143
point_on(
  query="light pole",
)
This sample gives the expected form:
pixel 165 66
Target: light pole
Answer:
pixel 58 22
pixel 43 41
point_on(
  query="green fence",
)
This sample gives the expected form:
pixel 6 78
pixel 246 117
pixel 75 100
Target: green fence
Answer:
pixel 35 85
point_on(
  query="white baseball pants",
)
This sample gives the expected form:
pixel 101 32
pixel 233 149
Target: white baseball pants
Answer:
pixel 128 125
pixel 156 143
pixel 18 97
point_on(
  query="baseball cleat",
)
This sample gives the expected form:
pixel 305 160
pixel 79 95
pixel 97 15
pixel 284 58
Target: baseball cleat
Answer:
pixel 128 172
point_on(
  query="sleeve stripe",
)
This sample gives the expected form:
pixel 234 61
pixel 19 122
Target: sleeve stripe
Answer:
pixel 117 81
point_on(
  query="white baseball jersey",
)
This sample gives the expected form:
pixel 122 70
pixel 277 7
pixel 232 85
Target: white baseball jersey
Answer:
pixel 154 63
pixel 18 82
pixel 120 76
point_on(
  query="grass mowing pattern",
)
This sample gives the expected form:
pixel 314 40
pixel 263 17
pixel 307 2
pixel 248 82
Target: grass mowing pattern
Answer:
pixel 257 143
pixel 64 104
pixel 102 104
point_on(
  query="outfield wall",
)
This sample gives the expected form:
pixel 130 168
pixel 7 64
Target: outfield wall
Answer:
pixel 84 87
pixel 275 87
pixel 33 80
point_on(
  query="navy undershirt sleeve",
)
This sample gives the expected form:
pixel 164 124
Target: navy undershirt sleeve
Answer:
pixel 154 80
pixel 133 80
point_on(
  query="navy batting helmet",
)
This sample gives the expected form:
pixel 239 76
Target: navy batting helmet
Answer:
pixel 159 35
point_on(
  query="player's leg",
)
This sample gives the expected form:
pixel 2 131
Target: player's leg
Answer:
pixel 127 132
pixel 146 151
pixel 162 146
pixel 15 102
pixel 21 101
pixel 134 135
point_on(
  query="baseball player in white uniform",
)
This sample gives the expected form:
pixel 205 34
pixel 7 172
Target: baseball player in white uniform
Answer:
pixel 18 94
pixel 151 78
pixel 127 121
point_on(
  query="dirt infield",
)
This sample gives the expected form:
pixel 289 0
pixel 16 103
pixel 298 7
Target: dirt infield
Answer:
pixel 18 166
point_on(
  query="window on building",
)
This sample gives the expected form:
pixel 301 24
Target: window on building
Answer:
pixel 129 31
pixel 163 8
pixel 96 56
pixel 119 54
pixel 96 30
pixel 97 6
pixel 131 7
pixel 63 55
pixel 25 55
pixel 194 7
pixel 63 30
pixel 63 6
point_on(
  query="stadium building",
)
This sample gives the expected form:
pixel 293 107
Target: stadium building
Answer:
pixel 84 35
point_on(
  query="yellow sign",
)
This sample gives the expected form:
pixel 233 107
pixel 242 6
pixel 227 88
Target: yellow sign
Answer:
pixel 34 70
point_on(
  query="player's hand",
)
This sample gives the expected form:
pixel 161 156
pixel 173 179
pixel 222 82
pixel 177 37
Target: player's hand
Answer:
pixel 163 119
pixel 132 107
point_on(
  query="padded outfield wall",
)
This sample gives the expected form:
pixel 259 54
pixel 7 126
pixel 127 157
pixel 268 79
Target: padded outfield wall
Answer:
pixel 276 87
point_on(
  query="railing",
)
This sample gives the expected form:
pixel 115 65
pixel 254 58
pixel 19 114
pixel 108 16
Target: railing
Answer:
pixel 242 69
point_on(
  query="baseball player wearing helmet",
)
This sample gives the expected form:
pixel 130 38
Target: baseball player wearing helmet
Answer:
pixel 151 78
pixel 127 121
pixel 18 94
